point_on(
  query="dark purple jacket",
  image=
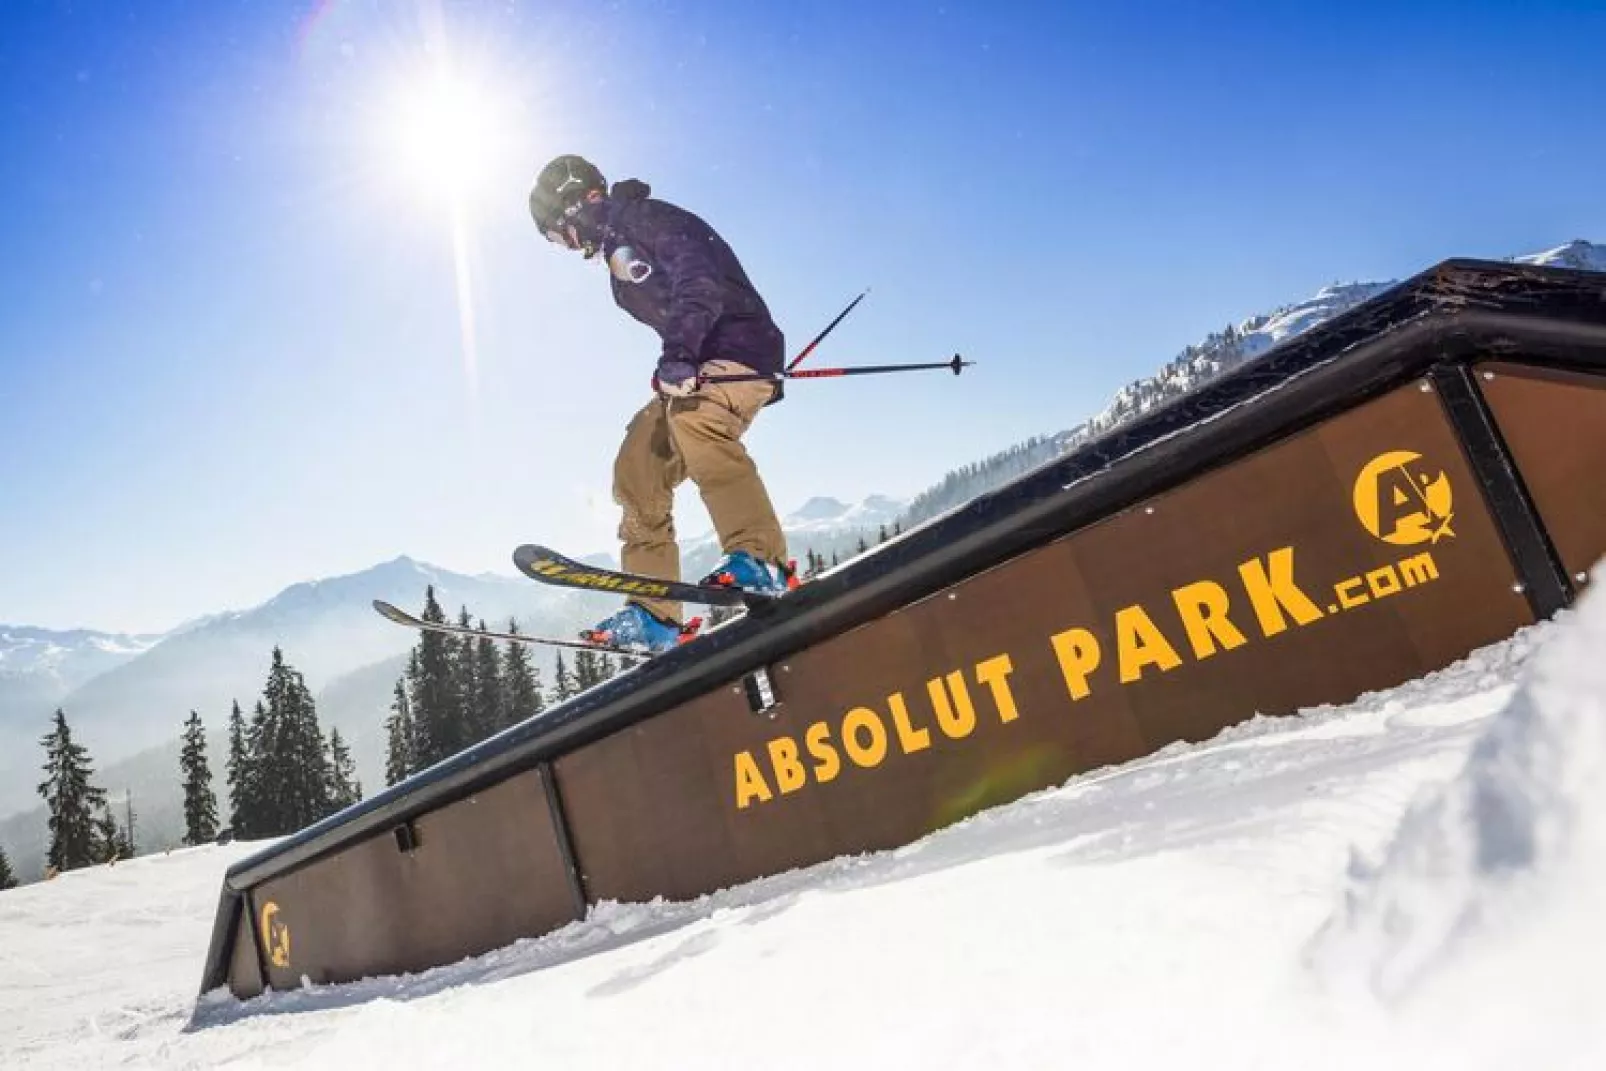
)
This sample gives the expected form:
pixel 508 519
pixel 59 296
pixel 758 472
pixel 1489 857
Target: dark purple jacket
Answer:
pixel 697 297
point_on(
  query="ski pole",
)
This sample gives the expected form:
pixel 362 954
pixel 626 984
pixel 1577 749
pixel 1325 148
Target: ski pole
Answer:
pixel 828 329
pixel 954 366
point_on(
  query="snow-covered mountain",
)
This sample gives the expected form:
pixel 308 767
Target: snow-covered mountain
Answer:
pixel 143 690
pixel 1227 349
pixel 1218 353
pixel 48 661
pixel 826 516
pixel 38 669
pixel 1577 254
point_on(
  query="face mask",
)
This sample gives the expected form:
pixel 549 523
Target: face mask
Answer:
pixel 566 230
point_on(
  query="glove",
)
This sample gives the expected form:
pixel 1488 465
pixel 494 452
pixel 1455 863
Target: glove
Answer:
pixel 675 378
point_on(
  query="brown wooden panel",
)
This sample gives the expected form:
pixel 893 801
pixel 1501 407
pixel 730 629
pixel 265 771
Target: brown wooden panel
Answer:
pixel 1555 424
pixel 487 870
pixel 245 970
pixel 1350 557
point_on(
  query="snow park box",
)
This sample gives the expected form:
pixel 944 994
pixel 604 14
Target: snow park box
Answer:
pixel 1358 507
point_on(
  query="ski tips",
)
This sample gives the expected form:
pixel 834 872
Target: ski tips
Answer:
pixel 401 617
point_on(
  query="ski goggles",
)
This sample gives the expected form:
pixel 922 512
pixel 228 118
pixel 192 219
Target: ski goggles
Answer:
pixel 564 230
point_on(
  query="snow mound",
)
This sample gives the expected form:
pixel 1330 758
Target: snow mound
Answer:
pixel 1492 873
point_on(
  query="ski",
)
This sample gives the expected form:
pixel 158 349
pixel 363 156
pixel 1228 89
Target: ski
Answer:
pixel 550 567
pixel 402 617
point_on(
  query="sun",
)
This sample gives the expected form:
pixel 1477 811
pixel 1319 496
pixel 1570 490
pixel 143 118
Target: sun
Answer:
pixel 446 131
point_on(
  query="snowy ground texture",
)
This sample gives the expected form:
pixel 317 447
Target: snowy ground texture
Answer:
pixel 1412 881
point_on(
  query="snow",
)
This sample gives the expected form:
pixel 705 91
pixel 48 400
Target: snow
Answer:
pixel 1577 254
pixel 1403 882
pixel 24 649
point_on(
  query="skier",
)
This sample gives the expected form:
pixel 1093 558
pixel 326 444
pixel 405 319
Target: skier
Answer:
pixel 672 272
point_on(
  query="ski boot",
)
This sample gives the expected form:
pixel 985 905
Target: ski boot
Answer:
pixel 740 569
pixel 635 629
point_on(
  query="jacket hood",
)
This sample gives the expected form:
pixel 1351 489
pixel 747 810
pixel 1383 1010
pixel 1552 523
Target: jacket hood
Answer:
pixel 630 189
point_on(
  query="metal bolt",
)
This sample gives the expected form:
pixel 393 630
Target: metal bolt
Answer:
pixel 1582 578
pixel 786 669
pixel 1148 510
pixel 1488 375
pixel 1518 588
pixel 1424 386
pixel 952 596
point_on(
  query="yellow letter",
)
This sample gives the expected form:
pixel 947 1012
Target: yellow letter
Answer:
pixel 875 751
pixel 909 738
pixel 1419 570
pixel 1203 607
pixel 1383 582
pixel 750 784
pixel 1078 652
pixel 789 775
pixel 1138 643
pixel 1348 596
pixel 957 718
pixel 995 674
pixel 827 764
pixel 1273 592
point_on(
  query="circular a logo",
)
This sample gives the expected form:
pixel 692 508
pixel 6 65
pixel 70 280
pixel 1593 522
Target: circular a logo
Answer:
pixel 275 935
pixel 1401 500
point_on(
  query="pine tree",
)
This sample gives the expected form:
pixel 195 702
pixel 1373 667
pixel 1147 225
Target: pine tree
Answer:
pixel 489 716
pixel 344 789
pixel 399 760
pixel 258 809
pixel 521 683
pixel 587 674
pixel 200 803
pixel 8 880
pixel 292 764
pixel 437 702
pixel 71 799
pixel 110 845
pixel 563 683
pixel 238 772
pixel 465 671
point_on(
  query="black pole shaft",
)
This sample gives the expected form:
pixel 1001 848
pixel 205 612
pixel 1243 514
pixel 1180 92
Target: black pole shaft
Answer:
pixel 954 366
pixel 828 329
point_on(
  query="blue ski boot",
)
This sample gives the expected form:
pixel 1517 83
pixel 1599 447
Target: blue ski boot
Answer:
pixel 634 629
pixel 740 569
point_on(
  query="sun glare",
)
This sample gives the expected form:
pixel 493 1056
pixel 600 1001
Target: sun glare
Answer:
pixel 446 133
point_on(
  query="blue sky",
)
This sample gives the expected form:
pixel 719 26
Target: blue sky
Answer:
pixel 234 352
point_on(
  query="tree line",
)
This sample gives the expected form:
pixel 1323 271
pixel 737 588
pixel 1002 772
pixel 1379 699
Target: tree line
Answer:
pixel 283 773
pixel 457 691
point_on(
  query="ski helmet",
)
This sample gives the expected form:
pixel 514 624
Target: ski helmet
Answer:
pixel 562 184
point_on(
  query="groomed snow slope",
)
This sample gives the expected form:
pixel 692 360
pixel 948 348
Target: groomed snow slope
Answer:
pixel 1412 881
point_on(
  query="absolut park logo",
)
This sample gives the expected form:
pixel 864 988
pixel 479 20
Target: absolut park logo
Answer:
pixel 1398 497
pixel 275 936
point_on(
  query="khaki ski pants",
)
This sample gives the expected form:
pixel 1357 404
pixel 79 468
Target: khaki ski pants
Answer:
pixel 699 438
